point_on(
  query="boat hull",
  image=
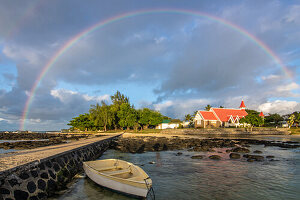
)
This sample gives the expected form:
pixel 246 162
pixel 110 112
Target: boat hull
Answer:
pixel 113 184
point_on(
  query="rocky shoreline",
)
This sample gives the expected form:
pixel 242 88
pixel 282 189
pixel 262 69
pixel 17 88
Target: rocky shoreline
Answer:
pixel 39 136
pixel 236 148
pixel 30 144
pixel 35 140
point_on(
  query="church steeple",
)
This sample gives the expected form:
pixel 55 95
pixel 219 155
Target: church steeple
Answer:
pixel 242 106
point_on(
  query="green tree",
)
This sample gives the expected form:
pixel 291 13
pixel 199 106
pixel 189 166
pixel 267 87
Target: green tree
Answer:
pixel 102 115
pixel 155 118
pixel 144 117
pixel 208 107
pixel 114 115
pixel 149 117
pixel 82 122
pixel 117 100
pixel 127 116
pixel 254 112
pixel 188 117
pixel 253 119
pixel 297 118
pixel 273 119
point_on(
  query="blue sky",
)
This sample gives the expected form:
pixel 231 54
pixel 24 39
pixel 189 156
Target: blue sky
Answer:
pixel 170 62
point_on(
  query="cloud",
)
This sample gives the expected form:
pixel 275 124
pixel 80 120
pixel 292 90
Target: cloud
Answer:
pixel 66 96
pixel 189 61
pixel 280 106
pixel 178 108
pixel 270 77
pixel 289 87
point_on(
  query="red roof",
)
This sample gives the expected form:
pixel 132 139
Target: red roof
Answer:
pixel 261 114
pixel 242 104
pixel 208 115
pixel 224 114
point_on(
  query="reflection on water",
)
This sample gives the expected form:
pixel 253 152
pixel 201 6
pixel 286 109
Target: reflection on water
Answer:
pixel 180 177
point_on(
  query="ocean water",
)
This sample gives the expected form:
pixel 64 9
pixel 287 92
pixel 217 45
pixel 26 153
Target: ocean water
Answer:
pixel 180 177
pixel 8 150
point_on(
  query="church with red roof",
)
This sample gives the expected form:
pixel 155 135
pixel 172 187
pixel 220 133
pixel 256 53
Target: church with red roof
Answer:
pixel 220 117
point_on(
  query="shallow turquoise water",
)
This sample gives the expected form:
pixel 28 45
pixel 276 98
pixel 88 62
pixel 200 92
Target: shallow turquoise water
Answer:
pixel 180 177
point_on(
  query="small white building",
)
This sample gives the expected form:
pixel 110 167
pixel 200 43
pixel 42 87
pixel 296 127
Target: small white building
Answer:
pixel 185 124
pixel 167 124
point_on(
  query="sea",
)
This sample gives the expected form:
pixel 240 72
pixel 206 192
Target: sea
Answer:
pixel 180 177
pixel 14 150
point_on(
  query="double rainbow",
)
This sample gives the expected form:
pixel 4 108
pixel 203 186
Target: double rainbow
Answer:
pixel 71 42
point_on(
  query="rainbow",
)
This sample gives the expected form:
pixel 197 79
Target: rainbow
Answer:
pixel 70 43
pixel 24 18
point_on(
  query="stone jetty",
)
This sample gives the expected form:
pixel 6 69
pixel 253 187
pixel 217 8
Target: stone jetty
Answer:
pixel 39 173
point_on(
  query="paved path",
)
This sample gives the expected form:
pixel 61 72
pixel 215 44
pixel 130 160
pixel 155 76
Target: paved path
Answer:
pixel 14 159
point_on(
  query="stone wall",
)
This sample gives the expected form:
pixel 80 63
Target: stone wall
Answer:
pixel 227 131
pixel 41 178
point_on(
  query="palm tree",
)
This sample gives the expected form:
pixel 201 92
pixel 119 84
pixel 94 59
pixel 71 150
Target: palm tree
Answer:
pixel 188 117
pixel 291 120
pixel 208 107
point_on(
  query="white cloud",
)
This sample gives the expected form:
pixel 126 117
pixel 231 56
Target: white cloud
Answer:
pixel 178 108
pixel 62 94
pixel 19 53
pixel 162 106
pixel 105 97
pixel 279 106
pixel 270 77
pixel 67 95
pixel 159 40
pixel 288 87
pixel 293 15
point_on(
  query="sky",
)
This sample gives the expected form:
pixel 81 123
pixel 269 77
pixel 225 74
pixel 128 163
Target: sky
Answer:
pixel 172 62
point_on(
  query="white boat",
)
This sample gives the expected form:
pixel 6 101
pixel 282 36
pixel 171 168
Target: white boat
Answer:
pixel 119 175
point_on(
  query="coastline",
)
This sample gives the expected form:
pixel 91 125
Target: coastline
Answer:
pixel 205 147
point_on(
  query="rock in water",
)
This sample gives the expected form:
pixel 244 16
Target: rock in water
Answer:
pixel 234 156
pixel 253 157
pixel 270 156
pixel 178 154
pixel 197 157
pixel 257 152
pixel 240 150
pixel 215 157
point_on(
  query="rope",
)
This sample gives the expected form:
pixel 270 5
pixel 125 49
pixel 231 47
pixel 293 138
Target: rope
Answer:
pixel 150 194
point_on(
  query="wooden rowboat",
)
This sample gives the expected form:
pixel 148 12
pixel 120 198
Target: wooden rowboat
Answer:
pixel 119 175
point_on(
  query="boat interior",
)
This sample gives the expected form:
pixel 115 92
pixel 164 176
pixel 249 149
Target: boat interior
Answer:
pixel 120 169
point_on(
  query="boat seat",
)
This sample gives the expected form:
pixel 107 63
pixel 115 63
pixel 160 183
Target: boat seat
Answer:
pixel 107 169
pixel 136 180
pixel 118 172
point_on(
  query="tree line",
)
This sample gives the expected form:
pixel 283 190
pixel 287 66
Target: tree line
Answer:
pixel 120 114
